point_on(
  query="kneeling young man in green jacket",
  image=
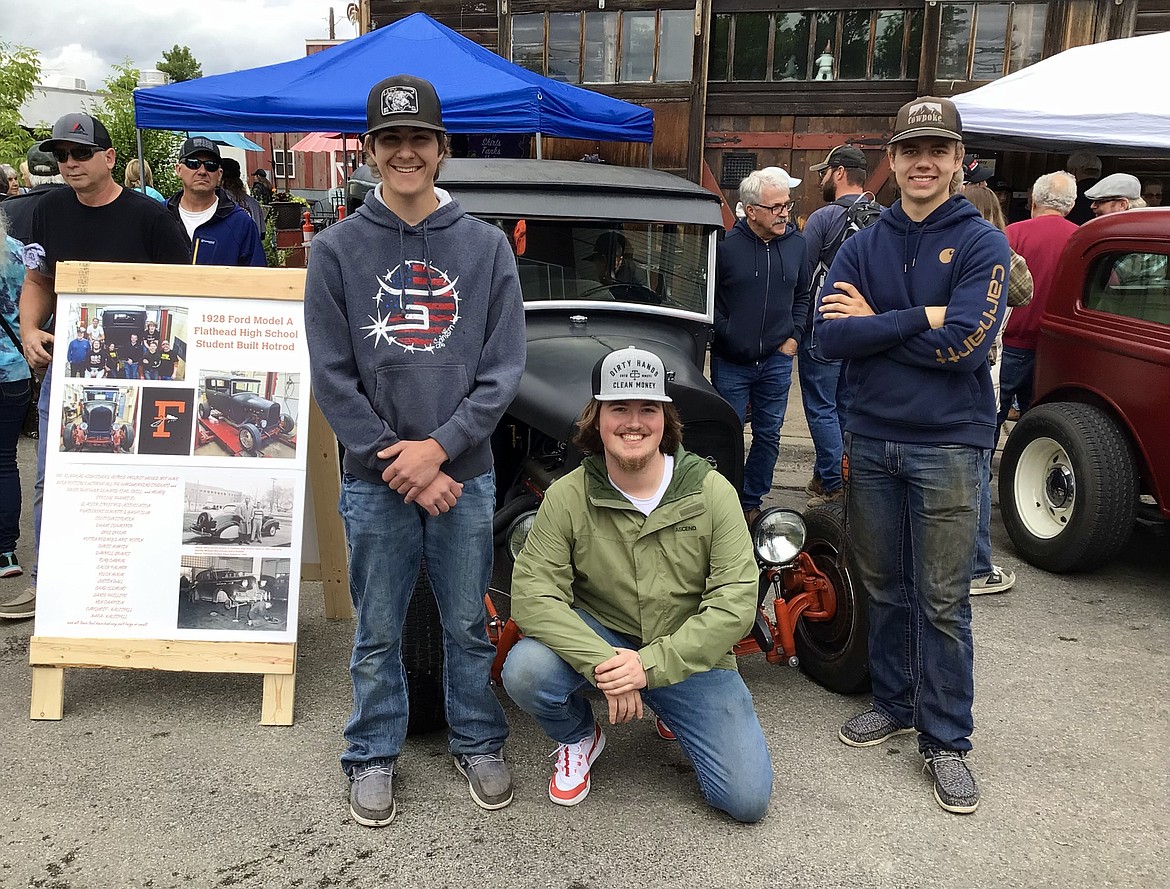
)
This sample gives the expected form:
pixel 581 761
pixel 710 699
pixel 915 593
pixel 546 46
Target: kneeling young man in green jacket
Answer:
pixel 638 577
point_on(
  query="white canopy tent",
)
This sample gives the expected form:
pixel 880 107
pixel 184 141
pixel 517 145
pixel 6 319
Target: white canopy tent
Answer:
pixel 1107 97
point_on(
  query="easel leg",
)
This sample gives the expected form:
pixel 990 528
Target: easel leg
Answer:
pixel 48 693
pixel 277 707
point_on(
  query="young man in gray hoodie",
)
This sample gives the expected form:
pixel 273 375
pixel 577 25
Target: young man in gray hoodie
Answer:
pixel 416 334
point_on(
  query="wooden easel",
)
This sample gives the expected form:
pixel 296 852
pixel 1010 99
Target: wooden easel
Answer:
pixel 275 661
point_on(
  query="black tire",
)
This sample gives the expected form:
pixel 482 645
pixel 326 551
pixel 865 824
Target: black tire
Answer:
pixel 287 424
pixel 249 439
pixel 127 437
pixel 422 658
pixel 204 410
pixel 835 653
pixel 1068 487
pixel 67 439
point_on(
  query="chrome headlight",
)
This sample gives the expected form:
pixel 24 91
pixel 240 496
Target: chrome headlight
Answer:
pixel 778 536
pixel 518 533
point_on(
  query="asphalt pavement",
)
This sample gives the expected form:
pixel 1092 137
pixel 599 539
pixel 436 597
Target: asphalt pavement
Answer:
pixel 166 779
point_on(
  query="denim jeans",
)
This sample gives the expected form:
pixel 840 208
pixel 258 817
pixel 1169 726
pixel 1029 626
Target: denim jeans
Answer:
pixel 710 713
pixel 386 538
pixel 39 485
pixel 14 399
pixel 765 384
pixel 1015 380
pixel 819 389
pixel 981 563
pixel 912 512
pixel 130 368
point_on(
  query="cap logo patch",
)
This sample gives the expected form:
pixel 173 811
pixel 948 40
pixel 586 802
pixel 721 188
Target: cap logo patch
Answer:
pixel 925 113
pixel 400 100
pixel 78 128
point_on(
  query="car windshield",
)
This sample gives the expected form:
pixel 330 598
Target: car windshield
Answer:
pixel 656 264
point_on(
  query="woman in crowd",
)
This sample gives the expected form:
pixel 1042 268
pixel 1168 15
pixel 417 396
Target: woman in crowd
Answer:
pixel 133 179
pixel 15 394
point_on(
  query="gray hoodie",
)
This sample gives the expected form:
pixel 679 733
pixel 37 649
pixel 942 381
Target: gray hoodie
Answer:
pixel 414 332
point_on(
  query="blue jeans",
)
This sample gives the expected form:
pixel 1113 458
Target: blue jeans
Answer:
pixel 1015 381
pixel 981 563
pixel 130 368
pixel 386 538
pixel 766 385
pixel 14 398
pixel 821 393
pixel 710 713
pixel 912 512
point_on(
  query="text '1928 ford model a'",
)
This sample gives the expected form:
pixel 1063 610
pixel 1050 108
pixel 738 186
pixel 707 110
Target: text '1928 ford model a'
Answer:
pixel 610 257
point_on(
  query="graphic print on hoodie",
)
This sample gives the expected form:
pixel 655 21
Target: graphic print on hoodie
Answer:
pixel 416 307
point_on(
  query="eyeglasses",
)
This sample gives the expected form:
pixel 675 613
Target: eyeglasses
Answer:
pixel 1151 194
pixel 79 154
pixel 194 163
pixel 777 209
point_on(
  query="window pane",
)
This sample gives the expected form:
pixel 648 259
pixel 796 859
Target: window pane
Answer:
pixel 528 41
pixel 1027 35
pixel 751 46
pixel 954 39
pixel 824 46
pixel 1135 285
pixel 717 59
pixel 601 33
pixel 914 45
pixel 990 40
pixel 676 46
pixel 790 53
pixel 637 64
pixel 564 46
pixel 854 45
pixel 887 44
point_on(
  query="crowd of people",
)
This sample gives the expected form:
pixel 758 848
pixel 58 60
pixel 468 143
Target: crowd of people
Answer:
pixel 638 574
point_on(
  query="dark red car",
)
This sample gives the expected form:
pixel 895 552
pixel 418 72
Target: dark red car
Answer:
pixel 1092 456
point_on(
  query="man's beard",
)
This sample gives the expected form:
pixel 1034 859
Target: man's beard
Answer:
pixel 829 192
pixel 634 464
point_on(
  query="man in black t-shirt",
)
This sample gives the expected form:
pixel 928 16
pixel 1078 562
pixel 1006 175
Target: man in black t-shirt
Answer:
pixel 93 219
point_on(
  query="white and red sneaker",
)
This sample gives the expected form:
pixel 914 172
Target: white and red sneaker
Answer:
pixel 663 730
pixel 570 779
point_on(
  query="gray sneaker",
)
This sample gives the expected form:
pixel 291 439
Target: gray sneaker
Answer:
pixel 371 794
pixel 1000 580
pixel 871 728
pixel 21 607
pixel 954 785
pixel 488 779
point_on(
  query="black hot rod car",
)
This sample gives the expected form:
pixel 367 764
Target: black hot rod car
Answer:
pixel 566 222
pixel 96 427
pixel 236 400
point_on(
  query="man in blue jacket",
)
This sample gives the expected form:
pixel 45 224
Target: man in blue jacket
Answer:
pixel 761 310
pixel 221 233
pixel 914 303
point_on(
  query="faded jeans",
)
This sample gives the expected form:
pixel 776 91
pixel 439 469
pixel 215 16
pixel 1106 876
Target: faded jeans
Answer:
pixel 387 538
pixel 912 512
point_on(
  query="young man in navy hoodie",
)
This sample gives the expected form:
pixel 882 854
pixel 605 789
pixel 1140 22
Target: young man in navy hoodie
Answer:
pixel 914 303
pixel 416 333
pixel 761 310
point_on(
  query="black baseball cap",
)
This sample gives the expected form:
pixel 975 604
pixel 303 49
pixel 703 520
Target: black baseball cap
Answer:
pixel 609 245
pixel 403 101
pixel 842 156
pixel 41 163
pixel 928 116
pixel 973 171
pixel 80 129
pixel 196 144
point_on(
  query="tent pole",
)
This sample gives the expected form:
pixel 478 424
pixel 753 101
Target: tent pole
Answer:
pixel 650 156
pixel 539 147
pixel 141 162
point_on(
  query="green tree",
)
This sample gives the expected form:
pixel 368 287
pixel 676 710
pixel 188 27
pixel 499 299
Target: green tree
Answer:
pixel 159 147
pixel 20 67
pixel 179 64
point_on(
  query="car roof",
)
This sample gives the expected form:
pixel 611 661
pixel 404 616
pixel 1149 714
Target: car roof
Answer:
pixel 538 188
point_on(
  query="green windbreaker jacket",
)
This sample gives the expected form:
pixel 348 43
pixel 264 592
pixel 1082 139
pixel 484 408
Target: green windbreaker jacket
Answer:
pixel 682 581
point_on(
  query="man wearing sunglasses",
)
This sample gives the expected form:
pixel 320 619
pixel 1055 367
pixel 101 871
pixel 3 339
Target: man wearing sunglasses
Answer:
pixel 95 219
pixel 761 309
pixel 221 232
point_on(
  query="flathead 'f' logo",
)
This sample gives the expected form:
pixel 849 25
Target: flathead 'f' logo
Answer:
pixel 416 308
pixel 400 100
pixel 163 416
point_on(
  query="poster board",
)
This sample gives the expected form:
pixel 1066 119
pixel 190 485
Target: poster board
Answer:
pixel 176 476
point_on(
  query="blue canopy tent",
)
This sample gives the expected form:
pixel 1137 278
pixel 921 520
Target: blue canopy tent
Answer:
pixel 326 92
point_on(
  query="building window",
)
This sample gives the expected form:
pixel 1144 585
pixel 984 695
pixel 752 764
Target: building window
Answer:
pixel 736 165
pixel 605 46
pixel 984 41
pixel 283 165
pixel 865 44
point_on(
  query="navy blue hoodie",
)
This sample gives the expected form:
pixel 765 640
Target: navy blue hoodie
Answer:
pixel 229 237
pixel 761 293
pixel 911 383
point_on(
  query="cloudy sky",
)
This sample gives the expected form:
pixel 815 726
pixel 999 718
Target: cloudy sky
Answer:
pixel 83 38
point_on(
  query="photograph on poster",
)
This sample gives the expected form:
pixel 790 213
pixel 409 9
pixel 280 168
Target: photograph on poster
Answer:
pixel 127 342
pixel 226 593
pixel 248 509
pixel 248 414
pixel 99 418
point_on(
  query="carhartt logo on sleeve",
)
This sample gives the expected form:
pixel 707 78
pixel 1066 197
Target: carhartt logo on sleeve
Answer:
pixel 400 100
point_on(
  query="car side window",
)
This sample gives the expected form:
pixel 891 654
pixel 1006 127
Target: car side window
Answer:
pixel 1133 285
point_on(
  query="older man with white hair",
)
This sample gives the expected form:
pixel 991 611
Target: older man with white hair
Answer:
pixel 761 311
pixel 1040 240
